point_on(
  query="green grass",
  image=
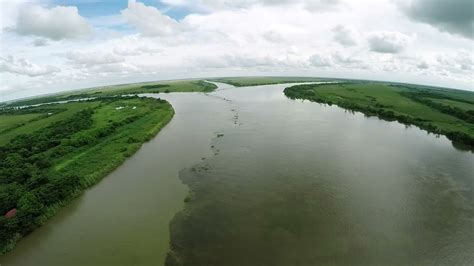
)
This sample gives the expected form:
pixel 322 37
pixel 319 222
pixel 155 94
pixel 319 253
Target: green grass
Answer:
pixel 10 121
pixel 118 127
pixel 393 103
pixel 462 105
pixel 58 112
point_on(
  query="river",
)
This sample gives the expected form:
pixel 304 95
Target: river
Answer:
pixel 273 182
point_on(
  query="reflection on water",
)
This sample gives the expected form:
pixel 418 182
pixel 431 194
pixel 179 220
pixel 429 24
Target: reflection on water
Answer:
pixel 298 183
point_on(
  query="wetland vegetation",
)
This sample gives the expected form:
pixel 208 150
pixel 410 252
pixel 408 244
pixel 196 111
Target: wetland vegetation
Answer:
pixel 51 154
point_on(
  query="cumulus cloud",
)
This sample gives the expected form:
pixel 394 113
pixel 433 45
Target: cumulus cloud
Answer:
pixel 90 58
pixel 24 67
pixel 319 60
pixel 57 23
pixel 348 61
pixel 123 68
pixel 273 36
pixel 245 61
pixel 423 65
pixel 149 21
pixel 213 5
pixel 454 16
pixel 40 42
pixel 391 42
pixel 344 35
pixel 462 60
pixel 136 51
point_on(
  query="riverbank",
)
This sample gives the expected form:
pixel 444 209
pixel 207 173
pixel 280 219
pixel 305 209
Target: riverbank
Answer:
pixel 65 149
pixel 438 111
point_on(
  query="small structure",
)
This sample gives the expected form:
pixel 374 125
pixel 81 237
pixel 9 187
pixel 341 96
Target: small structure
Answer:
pixel 10 214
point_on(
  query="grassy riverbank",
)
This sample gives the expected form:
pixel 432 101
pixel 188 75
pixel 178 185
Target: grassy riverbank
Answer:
pixel 439 111
pixel 51 154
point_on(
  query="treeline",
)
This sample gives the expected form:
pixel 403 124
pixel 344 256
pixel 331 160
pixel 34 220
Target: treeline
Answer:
pixel 25 182
pixel 421 97
pixel 308 92
pixel 154 86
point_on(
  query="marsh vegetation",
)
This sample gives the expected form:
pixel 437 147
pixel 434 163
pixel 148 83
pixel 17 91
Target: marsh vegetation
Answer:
pixel 51 154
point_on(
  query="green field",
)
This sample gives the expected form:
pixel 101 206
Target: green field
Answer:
pixel 440 111
pixel 255 81
pixel 8 122
pixel 52 153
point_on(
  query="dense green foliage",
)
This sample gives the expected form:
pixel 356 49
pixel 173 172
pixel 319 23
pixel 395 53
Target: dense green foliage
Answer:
pixel 42 169
pixel 409 105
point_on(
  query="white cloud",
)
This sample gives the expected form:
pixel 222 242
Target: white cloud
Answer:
pixel 149 21
pixel 391 42
pixel 344 35
pixel 346 60
pixel 462 60
pixel 40 42
pixel 135 51
pixel 123 68
pixel 423 65
pixel 61 22
pixel 24 67
pixel 356 39
pixel 319 60
pixel 89 58
pixel 213 5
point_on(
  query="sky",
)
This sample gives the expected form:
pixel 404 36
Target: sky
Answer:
pixel 48 46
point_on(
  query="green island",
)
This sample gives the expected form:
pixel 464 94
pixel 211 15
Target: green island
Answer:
pixel 440 111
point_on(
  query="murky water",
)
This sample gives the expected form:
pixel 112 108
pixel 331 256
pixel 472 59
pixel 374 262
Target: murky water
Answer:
pixel 299 183
pixel 283 183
